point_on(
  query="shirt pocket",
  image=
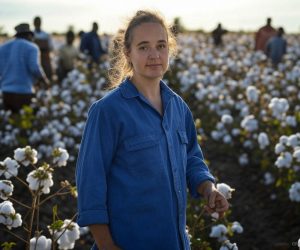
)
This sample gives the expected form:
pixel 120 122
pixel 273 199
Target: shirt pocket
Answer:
pixel 143 156
pixel 137 143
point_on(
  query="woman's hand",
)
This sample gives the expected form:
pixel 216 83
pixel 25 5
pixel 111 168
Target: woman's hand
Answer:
pixel 102 237
pixel 216 202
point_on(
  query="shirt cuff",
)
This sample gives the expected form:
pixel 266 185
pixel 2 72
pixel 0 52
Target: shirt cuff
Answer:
pixel 91 217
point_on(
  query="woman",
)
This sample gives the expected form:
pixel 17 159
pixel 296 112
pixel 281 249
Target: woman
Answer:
pixel 139 150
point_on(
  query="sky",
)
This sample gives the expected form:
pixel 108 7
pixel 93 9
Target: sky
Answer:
pixel 235 15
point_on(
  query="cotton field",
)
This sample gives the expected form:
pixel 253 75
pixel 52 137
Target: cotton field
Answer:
pixel 245 111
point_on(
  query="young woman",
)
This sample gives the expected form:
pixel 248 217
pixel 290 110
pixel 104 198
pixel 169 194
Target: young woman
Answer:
pixel 139 151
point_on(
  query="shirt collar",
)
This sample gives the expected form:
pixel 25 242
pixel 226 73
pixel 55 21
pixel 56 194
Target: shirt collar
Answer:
pixel 128 89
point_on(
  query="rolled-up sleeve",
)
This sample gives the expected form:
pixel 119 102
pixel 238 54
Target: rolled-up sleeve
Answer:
pixel 94 160
pixel 197 171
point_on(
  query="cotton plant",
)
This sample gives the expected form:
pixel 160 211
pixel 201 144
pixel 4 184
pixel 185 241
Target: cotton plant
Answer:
pixel 224 130
pixel 220 232
pixel 279 107
pixel 39 182
pixel 288 151
pixel 65 234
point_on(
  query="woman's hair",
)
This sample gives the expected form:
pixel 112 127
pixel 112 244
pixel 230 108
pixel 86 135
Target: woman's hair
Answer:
pixel 120 67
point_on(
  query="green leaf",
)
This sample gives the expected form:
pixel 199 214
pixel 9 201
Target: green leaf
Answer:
pixel 8 245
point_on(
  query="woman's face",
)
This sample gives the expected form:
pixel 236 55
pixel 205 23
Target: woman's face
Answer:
pixel 149 52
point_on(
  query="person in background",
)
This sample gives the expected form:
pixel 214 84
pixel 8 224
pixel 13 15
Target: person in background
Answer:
pixel 91 44
pixel 67 56
pixel 139 151
pixel 44 41
pixel 276 47
pixel 19 69
pixel 263 35
pixel 217 34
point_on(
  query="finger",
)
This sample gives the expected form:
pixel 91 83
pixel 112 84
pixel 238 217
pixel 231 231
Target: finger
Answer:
pixel 221 214
pixel 221 201
pixel 212 200
pixel 208 209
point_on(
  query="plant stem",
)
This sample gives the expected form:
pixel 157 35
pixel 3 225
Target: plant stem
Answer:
pixel 53 195
pixel 20 203
pixel 38 212
pixel 33 207
pixel 21 239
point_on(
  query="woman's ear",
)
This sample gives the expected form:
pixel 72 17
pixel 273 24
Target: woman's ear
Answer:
pixel 127 55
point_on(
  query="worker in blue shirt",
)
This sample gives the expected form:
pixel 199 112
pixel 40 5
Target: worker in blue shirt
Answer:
pixel 139 151
pixel 20 69
pixel 91 44
pixel 276 47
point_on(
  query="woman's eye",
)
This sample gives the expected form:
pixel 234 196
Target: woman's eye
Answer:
pixel 144 48
pixel 161 46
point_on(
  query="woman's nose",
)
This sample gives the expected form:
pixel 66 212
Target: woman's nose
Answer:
pixel 154 53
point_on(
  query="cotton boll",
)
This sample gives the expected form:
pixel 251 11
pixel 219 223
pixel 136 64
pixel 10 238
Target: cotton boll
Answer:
pixel 252 94
pixel 263 140
pixel 284 160
pixel 291 121
pixel 40 179
pixel 294 192
pixel 40 243
pixel 293 141
pixel 60 157
pixel 225 189
pixel 216 135
pixel 226 119
pixel 218 231
pixel 26 155
pixel 6 208
pixel 296 154
pixel 6 189
pixel 17 221
pixel 248 144
pixel 283 139
pixel 268 178
pixel 235 131
pixel 237 227
pixel 9 168
pixel 227 139
pixel 249 123
pixel 279 148
pixel 279 107
pixel 243 159
pixel 227 245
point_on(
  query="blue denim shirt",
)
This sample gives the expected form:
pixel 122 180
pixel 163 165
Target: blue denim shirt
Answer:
pixel 19 66
pixel 134 167
pixel 91 44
